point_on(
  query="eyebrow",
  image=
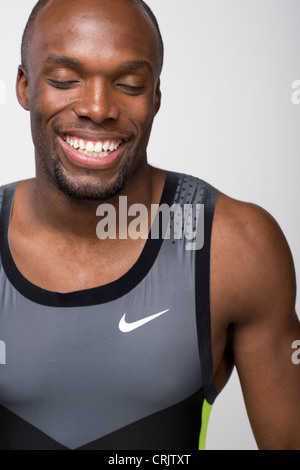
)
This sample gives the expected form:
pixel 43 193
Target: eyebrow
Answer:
pixel 55 59
pixel 133 65
pixel 127 66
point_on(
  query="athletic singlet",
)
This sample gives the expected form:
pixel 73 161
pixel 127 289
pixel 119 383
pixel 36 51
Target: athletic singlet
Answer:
pixel 123 366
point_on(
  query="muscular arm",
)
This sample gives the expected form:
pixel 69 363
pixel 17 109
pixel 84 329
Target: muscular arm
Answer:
pixel 259 284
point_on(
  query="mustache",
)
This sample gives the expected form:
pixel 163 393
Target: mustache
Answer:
pixel 90 128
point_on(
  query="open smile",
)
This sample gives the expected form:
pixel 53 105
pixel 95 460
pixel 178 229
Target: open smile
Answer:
pixel 92 153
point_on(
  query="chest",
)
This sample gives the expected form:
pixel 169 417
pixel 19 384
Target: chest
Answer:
pixel 57 264
pixel 74 370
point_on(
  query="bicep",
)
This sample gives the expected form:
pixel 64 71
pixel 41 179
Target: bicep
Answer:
pixel 270 382
pixel 262 342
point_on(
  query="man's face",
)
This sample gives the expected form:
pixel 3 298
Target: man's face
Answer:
pixel 93 93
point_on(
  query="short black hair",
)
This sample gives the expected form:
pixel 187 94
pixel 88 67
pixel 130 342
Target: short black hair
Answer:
pixel 29 28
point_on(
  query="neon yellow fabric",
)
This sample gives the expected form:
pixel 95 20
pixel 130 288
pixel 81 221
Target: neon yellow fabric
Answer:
pixel 206 410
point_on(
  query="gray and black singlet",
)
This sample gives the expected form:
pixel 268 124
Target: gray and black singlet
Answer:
pixel 73 380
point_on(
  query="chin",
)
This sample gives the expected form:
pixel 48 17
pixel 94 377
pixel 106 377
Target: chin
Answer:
pixel 86 191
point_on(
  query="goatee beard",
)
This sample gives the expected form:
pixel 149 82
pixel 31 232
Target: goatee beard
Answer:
pixel 80 191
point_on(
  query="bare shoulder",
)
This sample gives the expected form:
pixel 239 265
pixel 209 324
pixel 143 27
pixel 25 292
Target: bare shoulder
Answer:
pixel 251 260
pixel 254 323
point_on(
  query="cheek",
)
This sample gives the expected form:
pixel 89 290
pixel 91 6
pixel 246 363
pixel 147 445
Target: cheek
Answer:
pixel 41 118
pixel 141 113
pixel 46 113
pixel 46 102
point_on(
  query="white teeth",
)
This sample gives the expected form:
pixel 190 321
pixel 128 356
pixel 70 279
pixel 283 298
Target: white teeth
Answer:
pixel 99 150
pixel 90 147
pixel 95 154
pixel 98 147
pixel 106 146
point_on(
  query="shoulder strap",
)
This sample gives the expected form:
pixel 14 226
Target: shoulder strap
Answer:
pixel 202 293
pixel 6 202
pixel 1 195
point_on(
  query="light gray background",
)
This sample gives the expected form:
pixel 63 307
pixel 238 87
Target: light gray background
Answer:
pixel 227 117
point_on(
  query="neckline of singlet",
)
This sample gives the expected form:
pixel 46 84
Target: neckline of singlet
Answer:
pixel 87 297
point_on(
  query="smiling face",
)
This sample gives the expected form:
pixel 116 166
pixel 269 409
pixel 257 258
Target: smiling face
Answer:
pixel 92 88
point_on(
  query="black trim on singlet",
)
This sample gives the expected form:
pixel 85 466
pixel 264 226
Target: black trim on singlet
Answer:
pixel 87 297
pixel 176 427
pixel 18 434
pixel 202 294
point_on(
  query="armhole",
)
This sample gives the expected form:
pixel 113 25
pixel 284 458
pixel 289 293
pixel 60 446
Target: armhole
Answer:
pixel 202 294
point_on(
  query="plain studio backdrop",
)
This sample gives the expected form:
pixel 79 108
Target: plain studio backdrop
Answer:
pixel 227 117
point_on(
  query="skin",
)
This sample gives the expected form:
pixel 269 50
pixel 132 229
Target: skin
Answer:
pixel 98 105
pixel 253 284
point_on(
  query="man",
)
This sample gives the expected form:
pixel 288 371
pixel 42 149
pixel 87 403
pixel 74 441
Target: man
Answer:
pixel 124 343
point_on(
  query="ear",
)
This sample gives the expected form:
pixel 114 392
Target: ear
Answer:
pixel 22 88
pixel 157 97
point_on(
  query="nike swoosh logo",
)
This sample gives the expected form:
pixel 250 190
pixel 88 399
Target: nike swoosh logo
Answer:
pixel 127 327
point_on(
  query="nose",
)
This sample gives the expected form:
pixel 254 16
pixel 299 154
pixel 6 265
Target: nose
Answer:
pixel 97 102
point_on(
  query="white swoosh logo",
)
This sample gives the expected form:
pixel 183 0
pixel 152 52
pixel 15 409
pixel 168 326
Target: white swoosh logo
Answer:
pixel 127 327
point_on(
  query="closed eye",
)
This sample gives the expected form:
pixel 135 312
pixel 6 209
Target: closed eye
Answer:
pixel 62 85
pixel 132 89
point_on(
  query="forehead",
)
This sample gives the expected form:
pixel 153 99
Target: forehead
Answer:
pixel 112 30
